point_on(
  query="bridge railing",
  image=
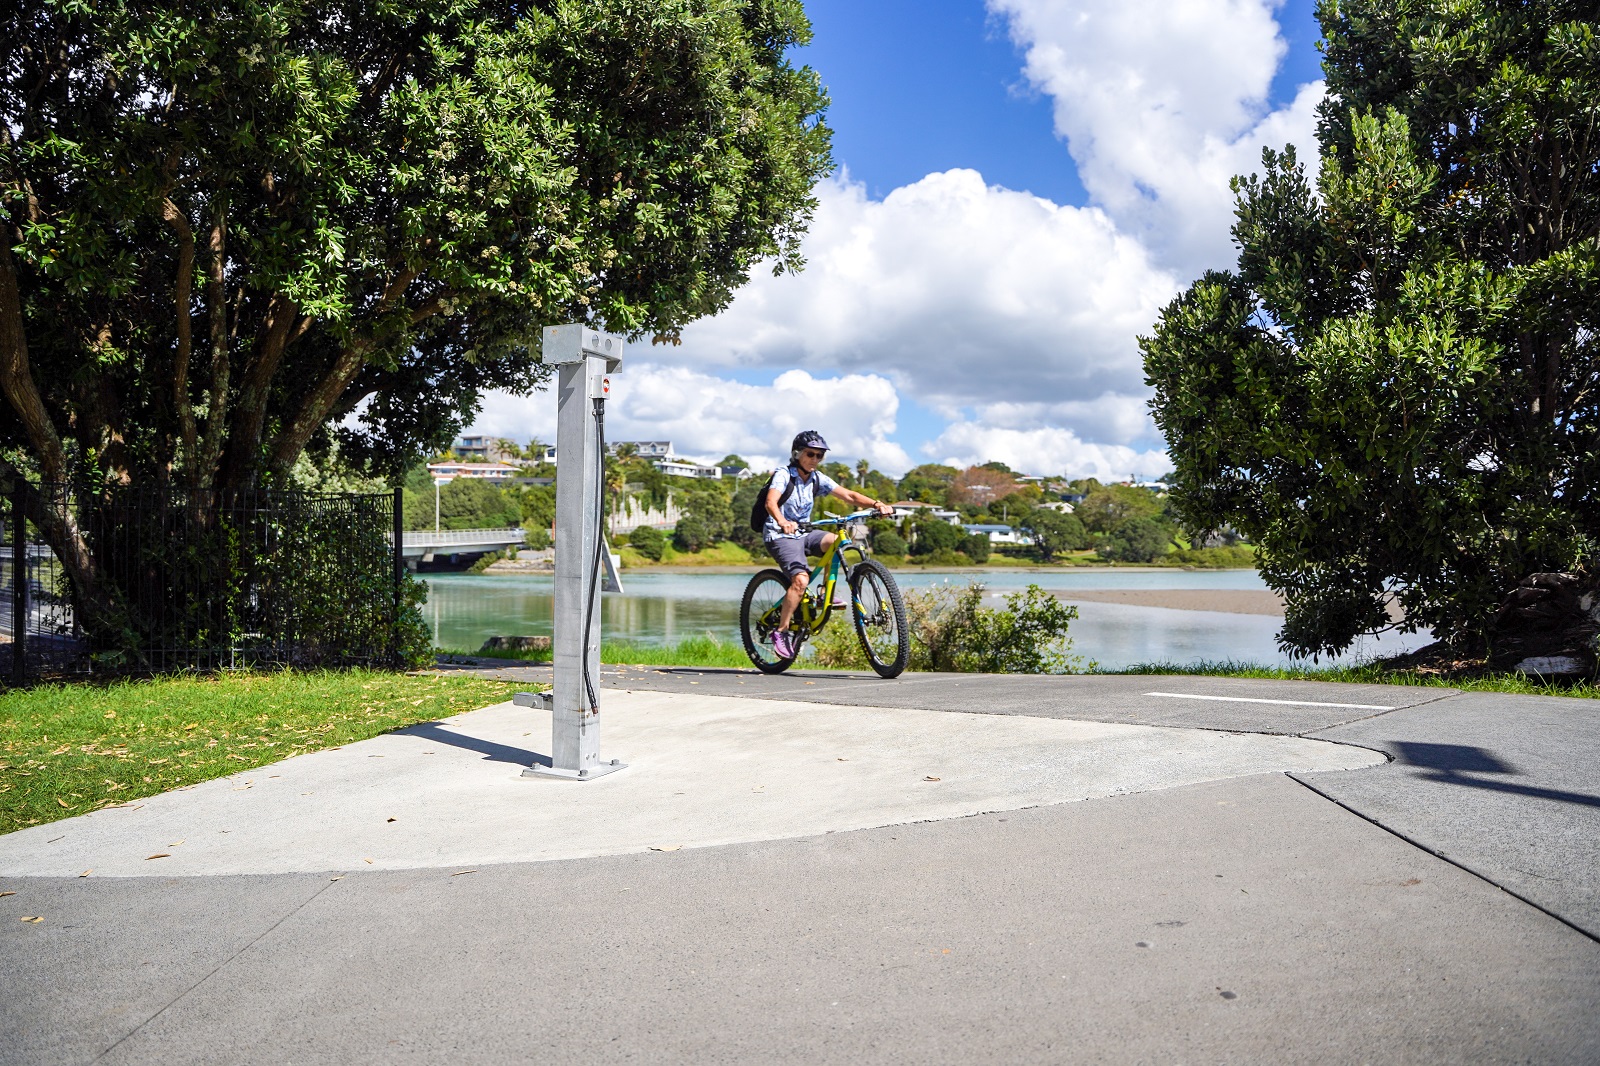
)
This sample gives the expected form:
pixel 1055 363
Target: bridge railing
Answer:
pixel 444 537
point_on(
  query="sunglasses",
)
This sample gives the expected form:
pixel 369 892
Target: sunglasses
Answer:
pixel 812 453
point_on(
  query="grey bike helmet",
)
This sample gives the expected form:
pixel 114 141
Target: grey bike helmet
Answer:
pixel 808 438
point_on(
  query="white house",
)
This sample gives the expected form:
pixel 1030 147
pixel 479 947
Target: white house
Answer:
pixel 644 449
pixel 679 468
pixel 998 534
pixel 496 472
pixel 906 508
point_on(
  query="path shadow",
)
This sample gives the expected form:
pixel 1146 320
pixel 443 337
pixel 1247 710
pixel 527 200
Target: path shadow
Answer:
pixel 487 748
pixel 1453 764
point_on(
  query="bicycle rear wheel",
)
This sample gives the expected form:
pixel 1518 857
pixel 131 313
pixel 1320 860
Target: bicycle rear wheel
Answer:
pixel 758 617
pixel 880 616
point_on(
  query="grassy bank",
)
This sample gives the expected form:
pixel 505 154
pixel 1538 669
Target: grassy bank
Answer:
pixel 70 749
pixel 1376 674
pixel 692 651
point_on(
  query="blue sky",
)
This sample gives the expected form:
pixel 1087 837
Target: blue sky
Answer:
pixel 1022 185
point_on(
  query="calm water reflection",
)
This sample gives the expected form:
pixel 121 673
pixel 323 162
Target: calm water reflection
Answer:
pixel 464 610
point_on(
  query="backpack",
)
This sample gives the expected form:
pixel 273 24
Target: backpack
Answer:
pixel 758 510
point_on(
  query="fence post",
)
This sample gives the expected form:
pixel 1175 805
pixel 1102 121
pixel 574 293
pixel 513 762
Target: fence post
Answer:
pixel 19 585
pixel 399 567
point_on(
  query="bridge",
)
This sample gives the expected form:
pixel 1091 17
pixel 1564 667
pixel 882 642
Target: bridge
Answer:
pixel 421 545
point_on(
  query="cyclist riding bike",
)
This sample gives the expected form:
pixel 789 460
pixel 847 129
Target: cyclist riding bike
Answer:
pixel 793 491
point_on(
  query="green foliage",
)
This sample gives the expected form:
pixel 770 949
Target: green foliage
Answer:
pixel 1398 390
pixel 244 221
pixel 888 542
pixel 1137 540
pixel 976 547
pixel 648 542
pixel 1053 532
pixel 1237 556
pixel 691 534
pixel 929 483
pixel 1105 508
pixel 930 535
pixel 952 630
pixel 538 536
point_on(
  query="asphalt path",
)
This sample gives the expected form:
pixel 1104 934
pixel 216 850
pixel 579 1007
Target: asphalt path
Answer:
pixel 1429 909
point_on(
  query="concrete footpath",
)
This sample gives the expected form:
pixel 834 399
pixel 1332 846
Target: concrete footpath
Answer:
pixel 826 867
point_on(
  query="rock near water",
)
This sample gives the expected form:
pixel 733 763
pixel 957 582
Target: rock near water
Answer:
pixel 516 644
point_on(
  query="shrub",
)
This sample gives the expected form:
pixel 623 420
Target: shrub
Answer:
pixel 952 630
pixel 691 533
pixel 538 537
pixel 888 542
pixel 931 535
pixel 1138 540
pixel 976 547
pixel 648 542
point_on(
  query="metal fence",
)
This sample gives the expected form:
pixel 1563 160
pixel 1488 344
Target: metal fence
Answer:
pixel 199 581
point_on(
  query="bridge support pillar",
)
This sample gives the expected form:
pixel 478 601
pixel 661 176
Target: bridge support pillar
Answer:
pixel 584 358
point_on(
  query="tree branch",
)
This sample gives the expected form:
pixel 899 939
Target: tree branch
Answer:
pixel 217 307
pixel 16 374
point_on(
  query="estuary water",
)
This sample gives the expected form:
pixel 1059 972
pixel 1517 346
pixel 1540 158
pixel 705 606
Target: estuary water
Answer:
pixel 464 610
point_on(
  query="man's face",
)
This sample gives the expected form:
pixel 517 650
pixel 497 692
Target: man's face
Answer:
pixel 810 459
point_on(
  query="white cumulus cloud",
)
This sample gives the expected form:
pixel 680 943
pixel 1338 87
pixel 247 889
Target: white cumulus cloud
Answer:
pixel 706 416
pixel 1045 450
pixel 1161 103
pixel 960 292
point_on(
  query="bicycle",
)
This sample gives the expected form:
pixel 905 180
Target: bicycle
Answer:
pixel 878 610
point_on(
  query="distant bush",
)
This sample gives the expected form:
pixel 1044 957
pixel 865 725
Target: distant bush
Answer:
pixel 976 547
pixel 1237 555
pixel 888 542
pixel 1138 540
pixel 691 533
pixel 485 561
pixel 648 542
pixel 538 537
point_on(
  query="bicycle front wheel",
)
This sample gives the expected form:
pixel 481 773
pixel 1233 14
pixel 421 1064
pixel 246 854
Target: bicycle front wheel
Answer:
pixel 880 616
pixel 758 617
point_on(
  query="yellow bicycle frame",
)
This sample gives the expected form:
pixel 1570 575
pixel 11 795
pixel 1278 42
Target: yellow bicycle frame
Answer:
pixel 813 611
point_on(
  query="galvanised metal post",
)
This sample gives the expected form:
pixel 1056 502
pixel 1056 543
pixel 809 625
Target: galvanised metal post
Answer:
pixel 585 357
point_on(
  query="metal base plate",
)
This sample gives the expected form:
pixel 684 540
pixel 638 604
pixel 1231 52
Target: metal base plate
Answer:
pixel 588 774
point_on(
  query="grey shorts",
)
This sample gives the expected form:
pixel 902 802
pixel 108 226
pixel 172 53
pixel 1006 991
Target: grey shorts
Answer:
pixel 791 552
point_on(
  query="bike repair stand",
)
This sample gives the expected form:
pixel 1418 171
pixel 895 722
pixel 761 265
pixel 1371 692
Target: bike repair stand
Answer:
pixel 585 357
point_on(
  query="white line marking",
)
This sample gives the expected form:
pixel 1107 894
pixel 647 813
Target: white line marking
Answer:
pixel 1284 703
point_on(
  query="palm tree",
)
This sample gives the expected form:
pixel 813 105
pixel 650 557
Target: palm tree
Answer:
pixel 862 469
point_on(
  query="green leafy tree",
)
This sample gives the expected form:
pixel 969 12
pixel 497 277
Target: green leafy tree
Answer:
pixel 234 229
pixel 930 535
pixel 691 534
pixel 929 483
pixel 648 542
pixel 1395 394
pixel 1053 532
pixel 1138 540
pixel 1106 507
pixel 976 547
pixel 888 542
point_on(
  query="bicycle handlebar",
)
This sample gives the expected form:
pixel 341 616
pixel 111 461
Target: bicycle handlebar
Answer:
pixel 807 527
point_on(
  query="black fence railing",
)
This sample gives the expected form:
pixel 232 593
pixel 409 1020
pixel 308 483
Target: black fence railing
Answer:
pixel 173 580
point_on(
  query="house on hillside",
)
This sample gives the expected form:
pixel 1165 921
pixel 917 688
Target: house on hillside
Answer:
pixel 682 468
pixel 495 473
pixel 908 508
pixel 644 449
pixel 998 533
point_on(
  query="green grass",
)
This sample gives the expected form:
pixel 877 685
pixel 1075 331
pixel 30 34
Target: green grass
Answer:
pixel 723 553
pixel 691 651
pixel 70 749
pixel 1373 674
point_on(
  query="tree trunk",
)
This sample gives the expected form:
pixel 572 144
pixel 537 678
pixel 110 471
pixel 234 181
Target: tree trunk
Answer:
pixel 1549 626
